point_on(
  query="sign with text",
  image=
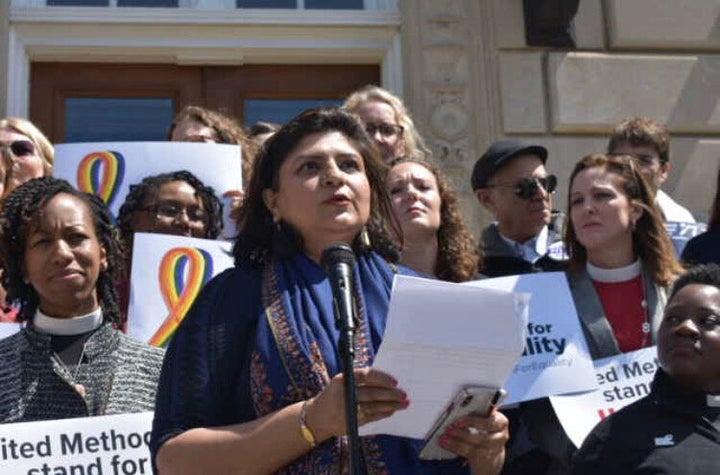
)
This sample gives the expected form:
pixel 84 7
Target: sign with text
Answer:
pixel 167 275
pixel 622 379
pixel 8 328
pixel 103 445
pixel 681 233
pixel 556 358
pixel 107 169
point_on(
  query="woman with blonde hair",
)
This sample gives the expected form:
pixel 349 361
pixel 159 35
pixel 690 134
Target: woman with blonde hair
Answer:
pixel 435 240
pixel 26 153
pixel 388 122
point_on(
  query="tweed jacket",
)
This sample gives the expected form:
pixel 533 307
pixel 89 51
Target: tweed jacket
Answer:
pixel 118 375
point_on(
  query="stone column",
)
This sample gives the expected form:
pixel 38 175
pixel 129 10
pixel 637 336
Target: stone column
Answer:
pixel 4 39
pixel 451 86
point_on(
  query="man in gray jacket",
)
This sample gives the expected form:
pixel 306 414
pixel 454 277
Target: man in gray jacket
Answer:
pixel 511 181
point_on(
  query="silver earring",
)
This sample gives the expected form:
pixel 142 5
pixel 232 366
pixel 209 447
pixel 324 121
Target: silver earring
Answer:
pixel 276 223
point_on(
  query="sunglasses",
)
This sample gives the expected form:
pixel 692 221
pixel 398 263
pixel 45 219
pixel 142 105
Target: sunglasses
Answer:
pixel 20 148
pixel 526 188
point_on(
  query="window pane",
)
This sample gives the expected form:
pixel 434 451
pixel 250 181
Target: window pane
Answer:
pixel 266 3
pixel 77 3
pixel 281 110
pixel 335 4
pixel 147 3
pixel 103 119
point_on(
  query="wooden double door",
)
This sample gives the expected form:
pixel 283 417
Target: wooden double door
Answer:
pixel 81 102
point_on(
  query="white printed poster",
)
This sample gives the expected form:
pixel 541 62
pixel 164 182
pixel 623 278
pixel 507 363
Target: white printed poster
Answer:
pixel 107 169
pixel 8 328
pixel 622 379
pixel 168 273
pixel 556 359
pixel 680 233
pixel 102 445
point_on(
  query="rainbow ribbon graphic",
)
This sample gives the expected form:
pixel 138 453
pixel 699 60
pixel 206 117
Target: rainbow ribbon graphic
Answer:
pixel 101 173
pixel 183 272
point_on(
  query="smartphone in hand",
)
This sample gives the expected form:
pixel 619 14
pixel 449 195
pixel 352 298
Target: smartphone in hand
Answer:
pixel 470 400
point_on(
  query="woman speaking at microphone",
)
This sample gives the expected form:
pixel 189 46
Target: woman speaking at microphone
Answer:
pixel 252 382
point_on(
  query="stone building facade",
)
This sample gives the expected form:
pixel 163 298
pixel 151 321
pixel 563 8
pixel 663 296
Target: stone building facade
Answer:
pixel 462 66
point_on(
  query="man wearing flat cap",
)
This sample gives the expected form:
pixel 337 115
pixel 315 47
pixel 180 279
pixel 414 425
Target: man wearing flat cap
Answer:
pixel 511 181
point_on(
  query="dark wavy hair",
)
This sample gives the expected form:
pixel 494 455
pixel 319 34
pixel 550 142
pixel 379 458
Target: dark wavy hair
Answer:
pixel 21 209
pixel 458 259
pixel 148 189
pixel 260 241
pixel 650 239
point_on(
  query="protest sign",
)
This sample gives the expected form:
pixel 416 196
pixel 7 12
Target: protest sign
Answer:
pixel 556 358
pixel 622 379
pixel 107 169
pixel 8 328
pixel 103 445
pixel 168 273
pixel 681 233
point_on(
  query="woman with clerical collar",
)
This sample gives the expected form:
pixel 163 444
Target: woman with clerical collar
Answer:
pixel 676 428
pixel 61 255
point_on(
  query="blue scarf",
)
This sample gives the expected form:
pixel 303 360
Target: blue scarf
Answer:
pixel 296 354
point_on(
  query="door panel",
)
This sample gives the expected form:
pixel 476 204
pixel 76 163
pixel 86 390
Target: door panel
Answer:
pixel 103 102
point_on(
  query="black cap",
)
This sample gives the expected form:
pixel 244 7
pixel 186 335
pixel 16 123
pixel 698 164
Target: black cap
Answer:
pixel 497 155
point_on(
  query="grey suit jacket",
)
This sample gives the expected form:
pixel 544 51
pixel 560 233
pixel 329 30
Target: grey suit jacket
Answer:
pixel 598 333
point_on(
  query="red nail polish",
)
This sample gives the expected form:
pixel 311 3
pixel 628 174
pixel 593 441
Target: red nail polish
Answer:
pixel 405 403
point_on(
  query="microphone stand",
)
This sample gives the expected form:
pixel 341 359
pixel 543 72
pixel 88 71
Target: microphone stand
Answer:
pixel 339 262
pixel 347 350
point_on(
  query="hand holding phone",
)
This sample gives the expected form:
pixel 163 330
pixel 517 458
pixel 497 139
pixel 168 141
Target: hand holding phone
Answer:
pixel 470 400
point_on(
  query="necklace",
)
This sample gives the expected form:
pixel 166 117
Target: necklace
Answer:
pixel 73 375
pixel 645 327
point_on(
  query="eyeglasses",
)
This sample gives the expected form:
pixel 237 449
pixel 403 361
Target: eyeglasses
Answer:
pixel 20 148
pixel 642 159
pixel 526 188
pixel 173 212
pixel 386 130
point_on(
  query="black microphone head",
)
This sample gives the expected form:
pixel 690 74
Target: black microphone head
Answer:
pixel 338 253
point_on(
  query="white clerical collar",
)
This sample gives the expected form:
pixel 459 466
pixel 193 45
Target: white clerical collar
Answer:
pixel 67 326
pixel 618 274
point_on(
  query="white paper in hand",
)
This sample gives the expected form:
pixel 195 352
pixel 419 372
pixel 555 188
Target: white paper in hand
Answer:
pixel 441 336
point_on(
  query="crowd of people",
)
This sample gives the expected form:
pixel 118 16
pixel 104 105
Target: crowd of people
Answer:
pixel 255 368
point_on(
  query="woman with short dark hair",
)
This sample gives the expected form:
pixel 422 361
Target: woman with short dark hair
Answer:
pixel 674 429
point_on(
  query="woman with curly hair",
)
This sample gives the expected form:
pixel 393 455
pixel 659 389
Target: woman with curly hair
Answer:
pixel 61 256
pixel 175 203
pixel 435 239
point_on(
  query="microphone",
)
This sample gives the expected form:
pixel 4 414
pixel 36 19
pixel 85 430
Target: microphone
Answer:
pixel 338 261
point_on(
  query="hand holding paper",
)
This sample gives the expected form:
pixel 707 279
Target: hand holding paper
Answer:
pixel 441 337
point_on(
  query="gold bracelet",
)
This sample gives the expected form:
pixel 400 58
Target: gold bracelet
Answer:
pixel 304 429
